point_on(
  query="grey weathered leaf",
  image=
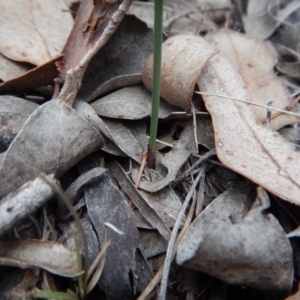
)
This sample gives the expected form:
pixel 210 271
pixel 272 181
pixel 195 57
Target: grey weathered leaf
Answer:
pixel 13 114
pixel 144 207
pixel 62 139
pixel 240 253
pixel 105 203
pixel 165 202
pixel 174 159
pixel 229 207
pixel 123 55
pixel 131 103
pixel 47 255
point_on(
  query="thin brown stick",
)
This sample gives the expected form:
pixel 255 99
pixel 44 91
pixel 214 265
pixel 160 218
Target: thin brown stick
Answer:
pixel 141 170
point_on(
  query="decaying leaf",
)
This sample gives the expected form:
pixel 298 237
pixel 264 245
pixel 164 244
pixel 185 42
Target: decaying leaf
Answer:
pixel 165 202
pixel 174 159
pixel 179 53
pixel 34 78
pixel 67 238
pixel 13 114
pixel 144 207
pixel 105 203
pixel 62 139
pixel 242 144
pixel 264 16
pixel 240 253
pixel 37 30
pixel 47 255
pixel 131 103
pixel 119 64
pixel 10 69
pixel 255 60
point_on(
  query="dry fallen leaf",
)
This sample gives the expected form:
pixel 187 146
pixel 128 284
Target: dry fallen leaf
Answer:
pixel 105 203
pixel 255 60
pixel 33 31
pixel 177 85
pixel 131 103
pixel 119 64
pixel 242 144
pixel 47 255
pixel 62 139
pixel 238 251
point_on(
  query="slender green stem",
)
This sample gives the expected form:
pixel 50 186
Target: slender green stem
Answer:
pixel 158 35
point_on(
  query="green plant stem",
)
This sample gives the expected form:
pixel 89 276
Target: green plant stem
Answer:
pixel 156 81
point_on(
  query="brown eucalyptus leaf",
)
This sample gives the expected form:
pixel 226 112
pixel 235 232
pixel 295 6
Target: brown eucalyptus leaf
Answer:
pixel 40 76
pixel 242 144
pixel 240 253
pixel 11 69
pixel 120 62
pixel 105 203
pixel 13 114
pixel 255 60
pixel 53 139
pixel 179 53
pixel 91 23
pixel 47 255
pixel 33 31
pixel 131 103
pixel 174 159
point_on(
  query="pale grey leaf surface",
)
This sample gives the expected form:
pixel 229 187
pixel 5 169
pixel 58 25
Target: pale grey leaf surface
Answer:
pixel 131 103
pixel 13 114
pixel 62 139
pixel 240 253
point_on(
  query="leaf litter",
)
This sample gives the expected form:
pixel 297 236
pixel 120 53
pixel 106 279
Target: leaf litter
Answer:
pixel 58 140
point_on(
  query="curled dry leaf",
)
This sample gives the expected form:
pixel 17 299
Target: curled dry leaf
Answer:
pixel 47 255
pixel 239 253
pixel 63 138
pixel 178 54
pixel 242 144
pixel 254 59
pixel 36 27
